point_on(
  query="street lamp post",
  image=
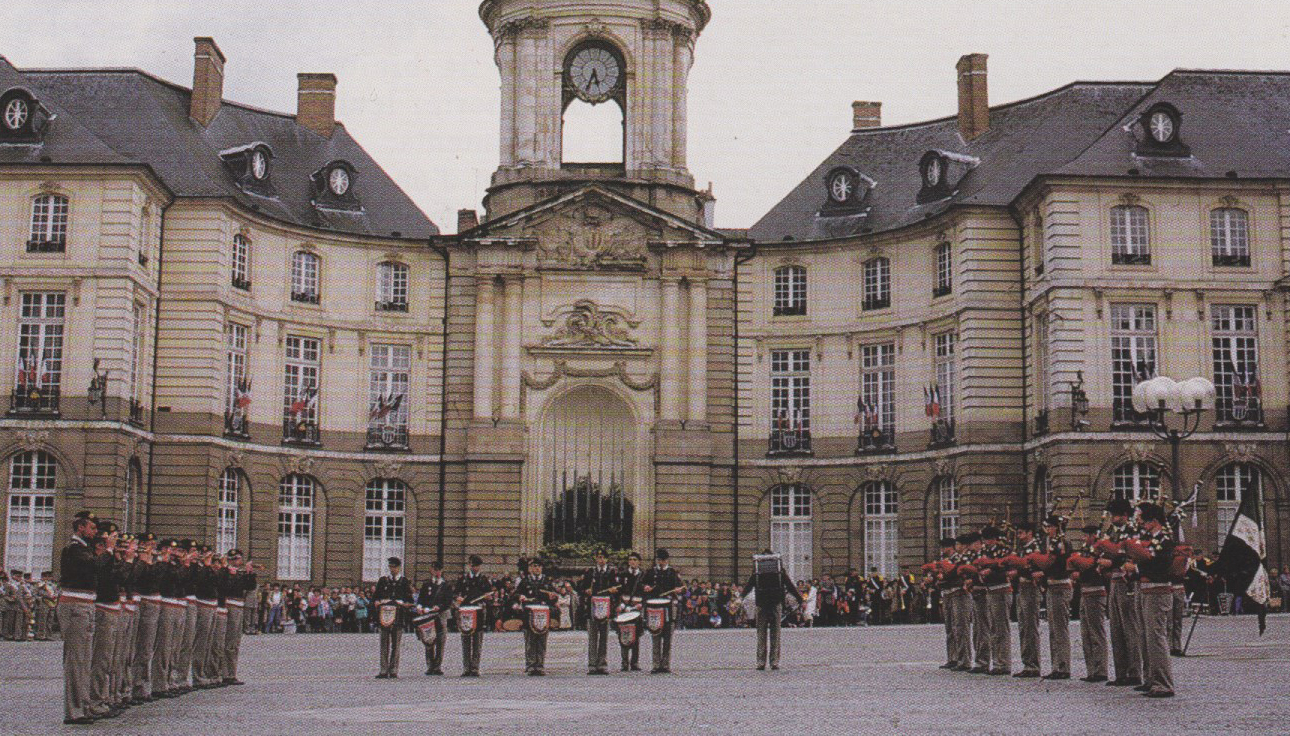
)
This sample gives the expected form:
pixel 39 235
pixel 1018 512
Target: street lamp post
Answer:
pixel 1158 397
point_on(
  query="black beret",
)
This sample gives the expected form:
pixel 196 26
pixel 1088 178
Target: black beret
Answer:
pixel 394 562
pixel 947 542
pixel 1119 507
pixel 990 533
pixel 476 560
pixel 661 554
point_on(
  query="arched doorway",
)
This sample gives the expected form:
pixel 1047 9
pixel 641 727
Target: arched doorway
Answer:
pixel 583 487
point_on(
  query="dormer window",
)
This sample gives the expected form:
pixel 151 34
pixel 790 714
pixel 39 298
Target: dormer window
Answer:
pixel 1158 130
pixel 334 186
pixel 940 171
pixel 22 118
pixel 251 166
pixel 846 191
pixel 259 165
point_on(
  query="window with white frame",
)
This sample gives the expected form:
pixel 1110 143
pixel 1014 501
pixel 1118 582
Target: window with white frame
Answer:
pixel 1130 236
pixel 878 390
pixel 29 533
pixel 1235 342
pixel 304 277
pixel 877 284
pixel 790 291
pixel 1229 236
pixel 241 273
pixel 1230 486
pixel 1133 355
pixel 1136 481
pixel 944 269
pixel 791 528
pixel 302 369
pixel 1041 360
pixel 880 527
pixel 387 394
pixel 391 287
pixel 1044 489
pixel 1038 251
pixel 137 352
pixel 48 223
pixel 230 494
pixel 384 525
pixel 946 347
pixel 132 492
pixel 948 494
pixel 235 365
pixel 295 526
pixel 790 390
pixel 40 342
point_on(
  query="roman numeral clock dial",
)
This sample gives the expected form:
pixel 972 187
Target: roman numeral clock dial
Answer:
pixel 595 74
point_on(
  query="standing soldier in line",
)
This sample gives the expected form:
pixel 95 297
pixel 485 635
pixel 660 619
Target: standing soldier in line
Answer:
pixel 26 605
pixel 1028 592
pixel 1152 556
pixel 240 582
pixel 1092 608
pixel 1060 590
pixel 629 598
pixel 771 582
pixel 396 590
pixel 1179 611
pixel 472 589
pixel 170 622
pixel 213 666
pixel 46 601
pixel 207 592
pixel 127 629
pixel 145 585
pixel 980 607
pixel 535 588
pixel 80 568
pixel 8 605
pixel 107 614
pixel 942 578
pixel 186 586
pixel 436 598
pixel 998 592
pixel 601 580
pixel 1125 650
pixel 958 572
pixel 662 581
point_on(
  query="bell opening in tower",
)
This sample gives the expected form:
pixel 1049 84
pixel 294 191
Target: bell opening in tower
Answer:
pixel 593 133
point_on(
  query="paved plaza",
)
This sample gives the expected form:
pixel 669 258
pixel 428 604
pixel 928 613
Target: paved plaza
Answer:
pixel 856 680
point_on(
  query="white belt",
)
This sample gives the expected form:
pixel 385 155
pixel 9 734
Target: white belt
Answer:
pixel 997 588
pixel 236 603
pixel 1154 586
pixel 205 603
pixel 109 607
pixel 79 595
pixel 1092 589
pixel 221 611
pixel 190 597
pixel 174 602
pixel 151 598
pixel 130 607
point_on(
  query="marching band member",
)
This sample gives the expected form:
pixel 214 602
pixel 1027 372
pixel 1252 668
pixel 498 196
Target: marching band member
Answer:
pixel 107 612
pixel 170 624
pixel 1126 652
pixel 206 589
pixel 392 590
pixel 435 598
pixel 535 590
pixel 957 572
pixel 1152 557
pixel 238 581
pixel 473 587
pixel 662 582
pixel 1060 591
pixel 980 607
pixel 1028 592
pixel 1092 607
pixel 942 576
pixel 998 591
pixel 186 576
pixel 79 567
pixel 148 616
pixel 601 580
pixel 630 598
pixel 771 581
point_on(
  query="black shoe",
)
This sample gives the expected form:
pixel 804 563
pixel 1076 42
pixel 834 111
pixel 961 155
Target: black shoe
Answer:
pixel 1176 653
pixel 761 666
pixel 960 668
pixel 1094 678
pixel 465 674
pixel 625 668
pixel 539 673
pixel 393 676
pixel 233 681
pixel 82 721
pixel 636 668
pixel 382 676
pixel 1000 671
pixel 429 672
pixel 1027 673
pixel 1057 676
pixel 1142 688
pixel 436 672
pixel 947 666
pixel 979 670
pixel 1160 694
pixel 773 667
pixel 666 670
pixel 656 670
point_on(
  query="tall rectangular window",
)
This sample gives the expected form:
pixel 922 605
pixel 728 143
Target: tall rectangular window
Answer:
pixel 237 390
pixel 387 395
pixel 877 395
pixel 790 399
pixel 946 347
pixel 1229 237
pixel 1133 355
pixel 304 277
pixel 40 349
pixel 230 491
pixel 136 352
pixel 392 287
pixel 1130 236
pixel 300 398
pixel 1235 342
pixel 295 527
pixel 1041 360
pixel 241 274
pixel 949 507
pixel 790 291
pixel 881 527
pixel 383 525
pixel 877 284
pixel 48 224
pixel 944 269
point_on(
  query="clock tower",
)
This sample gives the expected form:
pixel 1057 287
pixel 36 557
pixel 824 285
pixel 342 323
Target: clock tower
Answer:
pixel 556 56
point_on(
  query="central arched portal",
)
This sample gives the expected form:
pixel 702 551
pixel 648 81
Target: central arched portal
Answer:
pixel 583 487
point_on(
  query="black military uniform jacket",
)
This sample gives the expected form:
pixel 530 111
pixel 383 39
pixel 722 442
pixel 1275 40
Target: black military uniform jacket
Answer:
pixel 435 594
pixel 1060 549
pixel 145 577
pixel 598 581
pixel 770 595
pixel 1161 546
pixel 538 589
pixel 629 584
pixel 205 584
pixel 660 580
pixel 473 585
pixel 391 589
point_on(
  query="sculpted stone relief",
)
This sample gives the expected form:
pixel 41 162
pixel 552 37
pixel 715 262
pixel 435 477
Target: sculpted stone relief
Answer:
pixel 592 238
pixel 590 326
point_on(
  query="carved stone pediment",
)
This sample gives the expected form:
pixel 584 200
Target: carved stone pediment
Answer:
pixel 590 326
pixel 592 237
pixel 388 468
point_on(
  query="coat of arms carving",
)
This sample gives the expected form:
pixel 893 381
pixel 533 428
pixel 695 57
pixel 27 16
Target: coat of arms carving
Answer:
pixel 593 239
pixel 590 326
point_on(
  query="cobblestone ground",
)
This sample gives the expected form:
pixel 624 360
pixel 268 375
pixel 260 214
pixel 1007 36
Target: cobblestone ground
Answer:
pixel 861 680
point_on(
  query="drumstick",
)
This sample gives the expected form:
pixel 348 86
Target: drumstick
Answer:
pixel 482 597
pixel 609 590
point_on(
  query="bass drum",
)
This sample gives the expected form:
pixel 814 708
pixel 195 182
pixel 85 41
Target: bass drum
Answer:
pixel 512 624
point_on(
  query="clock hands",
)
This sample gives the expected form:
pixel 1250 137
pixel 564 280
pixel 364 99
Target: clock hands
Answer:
pixel 593 81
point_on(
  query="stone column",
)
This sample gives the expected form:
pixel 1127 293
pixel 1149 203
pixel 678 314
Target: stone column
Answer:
pixel 698 351
pixel 670 378
pixel 483 348
pixel 526 103
pixel 684 58
pixel 506 65
pixel 513 328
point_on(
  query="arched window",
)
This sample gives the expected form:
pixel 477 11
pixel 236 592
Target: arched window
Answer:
pixel 790 291
pixel 391 287
pixel 384 525
pixel 790 527
pixel 241 274
pixel 1229 237
pixel 305 267
pixel 230 495
pixel 880 509
pixel 29 536
pixel 132 494
pixel 1136 481
pixel 1230 485
pixel 877 284
pixel 48 224
pixel 295 526
pixel 948 494
pixel 944 269
pixel 1043 489
pixel 1130 236
pixel 592 133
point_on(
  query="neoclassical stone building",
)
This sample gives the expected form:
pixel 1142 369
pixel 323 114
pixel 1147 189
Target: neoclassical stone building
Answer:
pixel 229 324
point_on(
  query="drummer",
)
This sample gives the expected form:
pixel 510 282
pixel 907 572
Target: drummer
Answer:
pixel 472 589
pixel 435 598
pixel 662 581
pixel 536 590
pixel 629 599
pixel 599 584
pixel 391 590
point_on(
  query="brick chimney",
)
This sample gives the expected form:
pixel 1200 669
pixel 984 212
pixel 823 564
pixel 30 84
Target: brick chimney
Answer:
pixel 866 115
pixel 974 98
pixel 208 81
pixel 467 220
pixel 316 103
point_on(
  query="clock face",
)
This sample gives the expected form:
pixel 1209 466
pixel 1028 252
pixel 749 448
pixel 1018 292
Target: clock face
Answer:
pixel 259 165
pixel 840 187
pixel 1162 126
pixel 338 181
pixel 594 74
pixel 15 114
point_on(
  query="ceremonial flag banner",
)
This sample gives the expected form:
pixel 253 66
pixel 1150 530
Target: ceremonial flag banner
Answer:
pixel 1242 560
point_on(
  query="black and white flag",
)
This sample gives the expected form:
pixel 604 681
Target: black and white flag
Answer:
pixel 1243 559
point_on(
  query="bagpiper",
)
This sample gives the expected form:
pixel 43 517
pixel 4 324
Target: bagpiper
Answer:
pixel 600 586
pixel 1092 607
pixel 772 583
pixel 473 588
pixel 998 592
pixel 1029 580
pixel 1126 650
pixel 1152 556
pixel 1060 592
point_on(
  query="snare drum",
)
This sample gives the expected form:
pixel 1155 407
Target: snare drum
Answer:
pixel 539 617
pixel 628 627
pixel 600 607
pixel 657 613
pixel 427 631
pixel 468 618
pixel 388 615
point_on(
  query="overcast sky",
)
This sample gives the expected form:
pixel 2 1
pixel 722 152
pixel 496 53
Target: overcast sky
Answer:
pixel 770 93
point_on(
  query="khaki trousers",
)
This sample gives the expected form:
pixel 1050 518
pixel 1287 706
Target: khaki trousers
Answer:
pixel 597 644
pixel 76 619
pixel 232 642
pixel 123 661
pixel 145 644
pixel 947 614
pixel 169 631
pixel 663 646
pixel 962 607
pixel 44 621
pixel 632 654
pixel 106 618
pixel 534 650
pixel 390 640
pixel 768 632
pixel 1176 623
pixel 471 646
pixel 1059 626
pixel 1028 624
pixel 1157 610
pixel 212 670
pixel 1092 630
pixel 981 628
pixel 202 642
pixel 434 652
pixel 184 652
pixel 1126 652
pixel 1000 628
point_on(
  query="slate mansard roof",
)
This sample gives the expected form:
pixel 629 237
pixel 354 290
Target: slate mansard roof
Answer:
pixel 129 117
pixel 1233 122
